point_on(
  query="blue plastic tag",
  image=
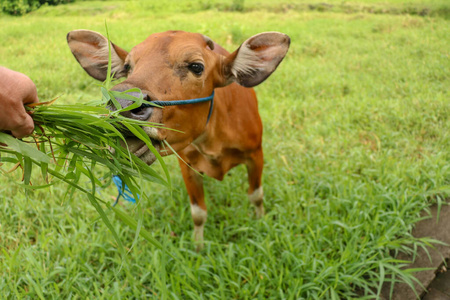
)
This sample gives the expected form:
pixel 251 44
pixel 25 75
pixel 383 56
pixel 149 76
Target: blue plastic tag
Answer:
pixel 123 191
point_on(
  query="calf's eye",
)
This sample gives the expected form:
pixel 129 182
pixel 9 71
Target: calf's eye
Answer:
pixel 196 68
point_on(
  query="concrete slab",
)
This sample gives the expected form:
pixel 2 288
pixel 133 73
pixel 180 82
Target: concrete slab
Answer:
pixel 435 295
pixel 441 283
pixel 438 229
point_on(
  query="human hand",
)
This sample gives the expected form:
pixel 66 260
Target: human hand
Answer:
pixel 16 89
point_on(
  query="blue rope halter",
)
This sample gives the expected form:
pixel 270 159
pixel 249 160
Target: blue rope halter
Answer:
pixel 125 191
pixel 183 102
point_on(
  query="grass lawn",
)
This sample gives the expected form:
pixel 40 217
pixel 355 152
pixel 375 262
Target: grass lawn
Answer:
pixel 357 138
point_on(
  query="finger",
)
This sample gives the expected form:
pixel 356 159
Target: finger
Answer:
pixel 24 129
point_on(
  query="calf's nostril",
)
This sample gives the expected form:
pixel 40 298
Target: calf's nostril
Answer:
pixel 138 111
pixel 141 113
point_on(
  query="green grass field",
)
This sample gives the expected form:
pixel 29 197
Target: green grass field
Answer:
pixel 357 138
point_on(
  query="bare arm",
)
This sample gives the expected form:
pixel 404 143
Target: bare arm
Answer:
pixel 16 89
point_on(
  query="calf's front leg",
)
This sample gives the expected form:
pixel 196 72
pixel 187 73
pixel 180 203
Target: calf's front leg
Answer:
pixel 194 186
pixel 255 193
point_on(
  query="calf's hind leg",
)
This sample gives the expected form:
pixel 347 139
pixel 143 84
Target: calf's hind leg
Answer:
pixel 194 186
pixel 255 165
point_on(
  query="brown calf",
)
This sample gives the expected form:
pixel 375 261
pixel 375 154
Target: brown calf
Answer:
pixel 181 65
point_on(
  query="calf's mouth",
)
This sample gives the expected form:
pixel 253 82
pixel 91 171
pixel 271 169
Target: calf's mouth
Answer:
pixel 141 150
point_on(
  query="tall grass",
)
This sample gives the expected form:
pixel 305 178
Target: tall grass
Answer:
pixel 356 146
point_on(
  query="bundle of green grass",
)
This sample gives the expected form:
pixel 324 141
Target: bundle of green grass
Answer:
pixel 70 141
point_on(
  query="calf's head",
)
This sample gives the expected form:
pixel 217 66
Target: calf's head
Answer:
pixel 177 65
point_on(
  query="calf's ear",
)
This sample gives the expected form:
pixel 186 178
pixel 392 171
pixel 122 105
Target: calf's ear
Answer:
pixel 90 48
pixel 256 58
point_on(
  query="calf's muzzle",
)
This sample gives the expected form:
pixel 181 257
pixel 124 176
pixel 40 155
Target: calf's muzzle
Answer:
pixel 142 113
